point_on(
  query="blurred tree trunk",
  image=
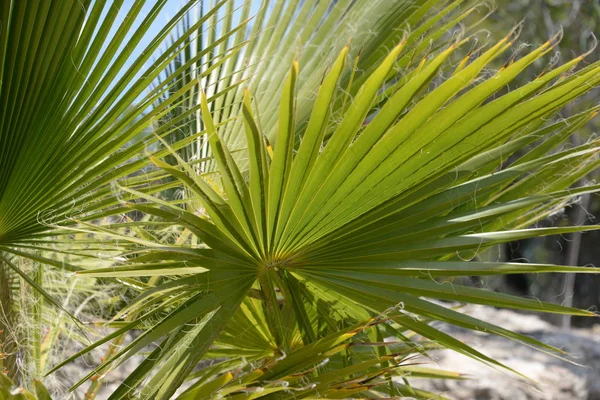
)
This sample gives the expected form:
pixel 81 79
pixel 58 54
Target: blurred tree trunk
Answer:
pixel 578 217
pixel 572 257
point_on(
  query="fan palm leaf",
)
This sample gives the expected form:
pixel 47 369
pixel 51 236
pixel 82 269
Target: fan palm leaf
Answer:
pixel 344 187
pixel 372 219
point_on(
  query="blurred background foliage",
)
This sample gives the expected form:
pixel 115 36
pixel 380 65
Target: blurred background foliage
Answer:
pixel 578 22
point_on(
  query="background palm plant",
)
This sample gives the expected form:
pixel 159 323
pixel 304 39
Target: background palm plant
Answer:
pixel 343 186
pixel 37 334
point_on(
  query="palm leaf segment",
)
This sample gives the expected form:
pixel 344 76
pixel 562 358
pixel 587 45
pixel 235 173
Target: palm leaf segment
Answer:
pixel 370 215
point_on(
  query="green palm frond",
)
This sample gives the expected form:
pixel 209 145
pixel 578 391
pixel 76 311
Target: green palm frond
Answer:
pixel 343 162
pixel 372 214
pixel 75 108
